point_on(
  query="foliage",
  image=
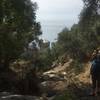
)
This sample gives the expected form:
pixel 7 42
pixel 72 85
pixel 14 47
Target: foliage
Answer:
pixel 18 27
pixel 55 51
pixel 77 43
pixel 68 95
pixel 77 66
pixel 90 13
pixel 45 59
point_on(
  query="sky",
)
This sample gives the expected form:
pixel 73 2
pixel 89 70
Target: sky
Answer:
pixel 54 15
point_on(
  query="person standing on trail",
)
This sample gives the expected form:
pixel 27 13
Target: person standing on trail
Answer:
pixel 95 72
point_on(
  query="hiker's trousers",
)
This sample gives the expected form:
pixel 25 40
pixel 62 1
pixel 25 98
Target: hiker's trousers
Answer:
pixel 95 82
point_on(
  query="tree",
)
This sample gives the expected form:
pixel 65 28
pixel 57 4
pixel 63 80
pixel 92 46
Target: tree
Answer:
pixel 90 13
pixel 70 41
pixel 76 43
pixel 89 24
pixel 18 27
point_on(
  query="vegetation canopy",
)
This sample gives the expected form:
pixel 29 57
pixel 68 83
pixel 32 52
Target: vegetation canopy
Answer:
pixel 18 27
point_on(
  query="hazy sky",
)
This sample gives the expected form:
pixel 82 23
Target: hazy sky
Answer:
pixel 54 15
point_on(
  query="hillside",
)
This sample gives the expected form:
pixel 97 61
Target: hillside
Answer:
pixel 61 81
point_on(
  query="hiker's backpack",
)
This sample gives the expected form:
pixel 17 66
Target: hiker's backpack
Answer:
pixel 95 68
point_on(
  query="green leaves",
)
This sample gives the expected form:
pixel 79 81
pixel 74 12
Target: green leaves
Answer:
pixel 77 43
pixel 90 13
pixel 17 26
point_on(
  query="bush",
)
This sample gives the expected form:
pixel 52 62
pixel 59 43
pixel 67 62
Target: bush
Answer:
pixel 66 96
pixel 77 66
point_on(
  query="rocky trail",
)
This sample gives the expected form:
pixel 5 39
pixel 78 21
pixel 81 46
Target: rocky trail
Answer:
pixel 61 79
pixel 56 82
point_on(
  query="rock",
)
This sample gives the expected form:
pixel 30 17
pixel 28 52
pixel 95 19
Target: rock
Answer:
pixel 18 97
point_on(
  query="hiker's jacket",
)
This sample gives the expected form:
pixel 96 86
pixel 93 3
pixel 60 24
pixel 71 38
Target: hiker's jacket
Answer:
pixel 95 68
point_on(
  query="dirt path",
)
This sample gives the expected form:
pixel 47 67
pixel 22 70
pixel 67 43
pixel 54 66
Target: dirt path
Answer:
pixel 80 85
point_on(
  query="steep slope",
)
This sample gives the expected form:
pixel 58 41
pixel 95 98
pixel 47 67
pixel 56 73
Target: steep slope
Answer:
pixel 62 78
